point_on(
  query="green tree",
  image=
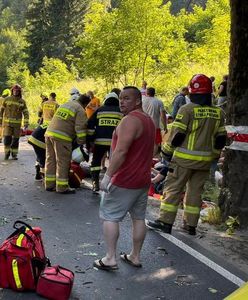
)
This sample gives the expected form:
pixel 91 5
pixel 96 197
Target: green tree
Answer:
pixel 65 25
pixel 131 42
pixel 37 35
pixel 12 44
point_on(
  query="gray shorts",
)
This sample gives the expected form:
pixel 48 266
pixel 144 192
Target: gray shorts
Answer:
pixel 119 201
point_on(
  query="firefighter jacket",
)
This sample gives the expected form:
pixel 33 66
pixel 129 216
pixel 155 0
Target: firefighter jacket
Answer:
pixel 38 136
pixel 47 110
pixel 103 122
pixel 199 126
pixel 12 111
pixel 69 123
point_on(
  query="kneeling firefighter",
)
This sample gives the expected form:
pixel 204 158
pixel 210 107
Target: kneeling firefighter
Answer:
pixel 68 123
pixel 13 110
pixel 197 133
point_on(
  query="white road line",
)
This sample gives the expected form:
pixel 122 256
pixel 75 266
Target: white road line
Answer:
pixel 231 277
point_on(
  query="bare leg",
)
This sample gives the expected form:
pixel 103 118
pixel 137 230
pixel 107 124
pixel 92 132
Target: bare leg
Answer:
pixel 111 235
pixel 139 233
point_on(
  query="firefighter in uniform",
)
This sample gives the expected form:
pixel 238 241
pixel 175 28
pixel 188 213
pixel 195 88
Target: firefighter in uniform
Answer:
pixel 68 123
pixel 100 129
pixel 197 133
pixel 37 139
pixel 44 98
pixel 5 94
pixel 13 109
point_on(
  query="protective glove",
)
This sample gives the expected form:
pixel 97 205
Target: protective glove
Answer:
pixel 105 183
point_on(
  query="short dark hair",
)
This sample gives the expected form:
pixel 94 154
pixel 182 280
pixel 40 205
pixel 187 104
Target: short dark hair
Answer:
pixel 117 91
pixel 84 99
pixel 53 95
pixel 136 90
pixel 150 91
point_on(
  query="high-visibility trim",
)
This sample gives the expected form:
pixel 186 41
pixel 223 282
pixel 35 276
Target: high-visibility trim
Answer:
pixel 63 182
pixel 50 178
pixel 178 117
pixel 16 274
pixel 192 209
pixel 67 110
pixel 59 135
pixel 19 240
pixel 167 148
pixel 109 114
pixel 14 150
pixel 191 142
pixel 103 143
pixel 95 168
pixel 193 155
pixel 207 112
pixel 81 133
pixel 7 102
pixel 36 142
pixel 90 132
pixel 64 113
pixel 14 121
pixel 221 129
pixel 44 125
pixel 168 207
pixel 108 122
pixel 179 125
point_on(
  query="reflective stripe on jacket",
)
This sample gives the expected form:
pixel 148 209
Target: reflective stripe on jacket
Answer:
pixel 102 124
pixel 201 125
pixel 13 110
pixel 68 123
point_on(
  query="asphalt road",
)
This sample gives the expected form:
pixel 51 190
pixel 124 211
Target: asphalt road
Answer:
pixel 72 236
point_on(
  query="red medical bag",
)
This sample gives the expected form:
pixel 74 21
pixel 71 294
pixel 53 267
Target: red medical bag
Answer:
pixel 55 283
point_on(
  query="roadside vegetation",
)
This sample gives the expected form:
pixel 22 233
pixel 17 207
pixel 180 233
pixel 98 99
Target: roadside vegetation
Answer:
pixel 55 45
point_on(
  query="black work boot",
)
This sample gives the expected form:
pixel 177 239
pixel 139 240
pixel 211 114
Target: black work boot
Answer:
pixel 191 230
pixel 38 175
pixel 14 156
pixel 160 226
pixel 96 187
pixel 7 155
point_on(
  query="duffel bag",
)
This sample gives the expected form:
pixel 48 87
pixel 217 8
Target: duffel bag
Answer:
pixel 55 283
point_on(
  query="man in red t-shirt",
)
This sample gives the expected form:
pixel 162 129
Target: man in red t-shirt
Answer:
pixel 126 182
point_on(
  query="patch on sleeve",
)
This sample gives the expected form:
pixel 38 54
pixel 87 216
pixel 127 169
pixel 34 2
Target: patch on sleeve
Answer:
pixel 179 117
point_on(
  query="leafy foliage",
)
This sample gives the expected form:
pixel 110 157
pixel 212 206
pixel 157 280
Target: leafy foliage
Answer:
pixel 114 41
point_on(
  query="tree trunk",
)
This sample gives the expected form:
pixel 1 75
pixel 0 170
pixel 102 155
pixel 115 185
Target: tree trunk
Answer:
pixel 234 194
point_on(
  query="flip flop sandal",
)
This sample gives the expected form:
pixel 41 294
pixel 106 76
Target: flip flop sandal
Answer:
pixel 128 261
pixel 101 266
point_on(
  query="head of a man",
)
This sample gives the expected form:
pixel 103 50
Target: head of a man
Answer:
pixel 130 99
pixel 52 96
pixel 90 94
pixel 150 92
pixel 144 84
pixel 16 90
pixel 83 100
pixel 185 90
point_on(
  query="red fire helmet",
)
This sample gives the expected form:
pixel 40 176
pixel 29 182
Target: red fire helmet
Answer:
pixel 16 87
pixel 200 84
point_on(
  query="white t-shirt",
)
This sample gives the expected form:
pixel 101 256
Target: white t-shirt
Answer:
pixel 153 107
